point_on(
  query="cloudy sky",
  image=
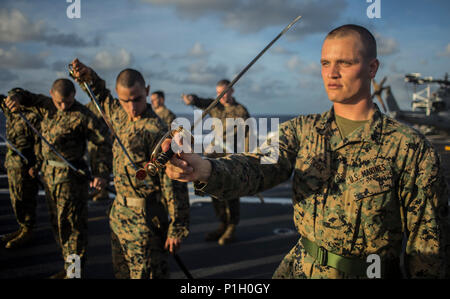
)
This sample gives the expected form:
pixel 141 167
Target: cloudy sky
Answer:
pixel 186 46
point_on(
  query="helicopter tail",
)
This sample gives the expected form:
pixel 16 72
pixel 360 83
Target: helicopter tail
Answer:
pixel 390 101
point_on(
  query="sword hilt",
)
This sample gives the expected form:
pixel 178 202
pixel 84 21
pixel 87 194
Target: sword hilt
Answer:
pixel 70 66
pixel 159 163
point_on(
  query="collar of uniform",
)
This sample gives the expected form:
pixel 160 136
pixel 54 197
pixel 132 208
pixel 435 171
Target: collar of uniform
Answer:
pixel 369 132
pixel 230 105
pixel 324 127
pixel 160 109
pixel 72 108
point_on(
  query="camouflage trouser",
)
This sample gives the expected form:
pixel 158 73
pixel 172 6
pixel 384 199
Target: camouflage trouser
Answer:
pixel 137 253
pixel 23 191
pixel 291 266
pixel 67 202
pixel 228 211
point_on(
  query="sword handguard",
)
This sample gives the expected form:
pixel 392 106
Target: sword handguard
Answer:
pixel 158 161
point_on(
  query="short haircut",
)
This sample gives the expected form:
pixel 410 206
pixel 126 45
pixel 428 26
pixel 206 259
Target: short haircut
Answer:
pixel 64 87
pixel 223 82
pixel 128 77
pixel 368 40
pixel 159 93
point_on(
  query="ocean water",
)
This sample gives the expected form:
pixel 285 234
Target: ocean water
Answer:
pixel 282 117
pixel 190 116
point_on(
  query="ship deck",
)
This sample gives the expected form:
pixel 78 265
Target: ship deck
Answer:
pixel 265 234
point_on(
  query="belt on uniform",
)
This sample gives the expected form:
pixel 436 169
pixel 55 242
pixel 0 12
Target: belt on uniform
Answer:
pixel 80 164
pixel 137 202
pixel 56 163
pixel 352 266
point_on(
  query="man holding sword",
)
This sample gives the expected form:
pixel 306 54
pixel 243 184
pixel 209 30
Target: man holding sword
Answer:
pixel 22 164
pixel 66 126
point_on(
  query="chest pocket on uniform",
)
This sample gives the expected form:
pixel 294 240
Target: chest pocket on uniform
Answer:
pixel 370 182
pixel 371 202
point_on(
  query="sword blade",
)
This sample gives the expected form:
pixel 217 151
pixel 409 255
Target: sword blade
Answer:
pixel 79 171
pixel 51 146
pixel 102 113
pixel 216 101
pixel 14 148
pixel 182 266
pixel 111 129
pixel 238 76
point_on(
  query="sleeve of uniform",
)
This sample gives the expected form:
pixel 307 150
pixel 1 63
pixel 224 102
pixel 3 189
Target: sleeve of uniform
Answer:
pixel 5 109
pixel 247 174
pixel 33 156
pixel 423 193
pixel 201 103
pixel 97 133
pixel 38 103
pixel 103 95
pixel 38 153
pixel 37 146
pixel 177 201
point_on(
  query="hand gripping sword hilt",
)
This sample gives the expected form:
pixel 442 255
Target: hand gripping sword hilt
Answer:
pixel 72 75
pixel 70 66
pixel 158 161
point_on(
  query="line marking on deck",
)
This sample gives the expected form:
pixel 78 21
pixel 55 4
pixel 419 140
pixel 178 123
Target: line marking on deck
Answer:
pixel 209 271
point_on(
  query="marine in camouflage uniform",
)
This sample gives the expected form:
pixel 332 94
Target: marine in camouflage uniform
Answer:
pixel 93 153
pixel 160 109
pixel 227 210
pixel 355 194
pixel 67 191
pixel 23 188
pixel 139 217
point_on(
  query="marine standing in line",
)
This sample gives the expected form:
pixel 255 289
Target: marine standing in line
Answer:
pixel 141 234
pixel 22 175
pixel 67 125
pixel 158 99
pixel 228 211
pixel 362 183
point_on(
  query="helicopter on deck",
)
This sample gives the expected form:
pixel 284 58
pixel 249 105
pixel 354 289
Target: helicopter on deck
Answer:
pixel 430 110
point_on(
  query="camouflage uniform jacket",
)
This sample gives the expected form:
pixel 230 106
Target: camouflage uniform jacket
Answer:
pixel 22 137
pixel 139 138
pixel 94 154
pixel 165 115
pixel 221 112
pixel 91 106
pixel 353 196
pixel 67 131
